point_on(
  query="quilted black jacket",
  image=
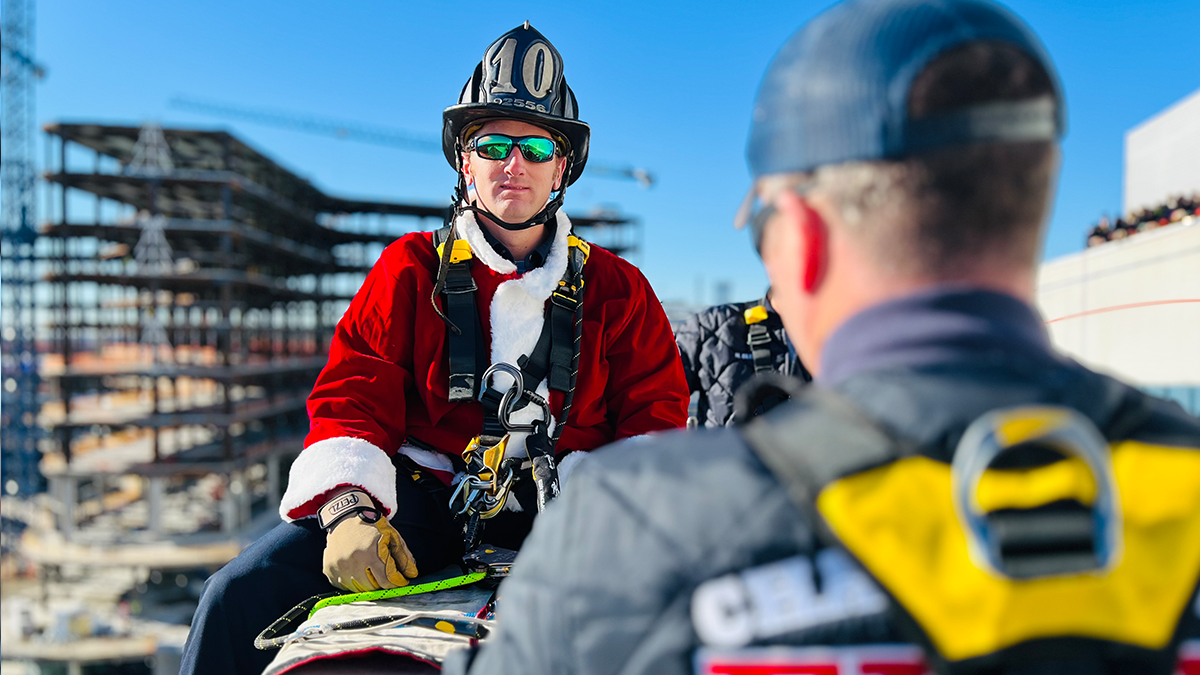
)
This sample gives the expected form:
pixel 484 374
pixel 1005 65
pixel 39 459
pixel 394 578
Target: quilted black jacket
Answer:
pixel 717 358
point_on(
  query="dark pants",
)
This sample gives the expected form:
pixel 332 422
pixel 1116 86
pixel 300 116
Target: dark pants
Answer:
pixel 284 567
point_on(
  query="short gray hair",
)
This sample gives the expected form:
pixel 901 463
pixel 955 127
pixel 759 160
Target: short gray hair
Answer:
pixel 939 214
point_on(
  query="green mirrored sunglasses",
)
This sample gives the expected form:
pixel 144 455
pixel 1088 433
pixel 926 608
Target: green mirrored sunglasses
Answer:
pixel 498 146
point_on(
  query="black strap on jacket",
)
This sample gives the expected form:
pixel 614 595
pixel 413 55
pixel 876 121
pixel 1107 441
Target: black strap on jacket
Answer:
pixel 554 357
pixel 555 349
pixel 759 337
pixel 837 438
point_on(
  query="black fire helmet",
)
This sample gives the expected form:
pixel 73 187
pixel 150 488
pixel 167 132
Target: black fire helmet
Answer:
pixel 521 78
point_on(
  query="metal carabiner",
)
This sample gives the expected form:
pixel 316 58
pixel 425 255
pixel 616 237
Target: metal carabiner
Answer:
pixel 494 503
pixel 506 410
pixel 472 495
pixel 515 394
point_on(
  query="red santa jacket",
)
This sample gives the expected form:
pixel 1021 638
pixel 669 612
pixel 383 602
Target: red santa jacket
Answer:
pixel 387 377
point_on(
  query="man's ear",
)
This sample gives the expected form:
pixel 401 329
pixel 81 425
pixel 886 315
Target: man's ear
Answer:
pixel 466 168
pixel 814 238
pixel 562 166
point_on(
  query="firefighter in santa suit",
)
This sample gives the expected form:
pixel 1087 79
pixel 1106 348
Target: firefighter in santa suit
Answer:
pixel 410 382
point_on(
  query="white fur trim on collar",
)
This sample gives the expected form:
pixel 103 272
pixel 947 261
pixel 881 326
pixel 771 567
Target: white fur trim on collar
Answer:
pixel 468 228
pixel 326 464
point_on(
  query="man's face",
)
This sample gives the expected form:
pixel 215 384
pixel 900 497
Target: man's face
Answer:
pixel 514 188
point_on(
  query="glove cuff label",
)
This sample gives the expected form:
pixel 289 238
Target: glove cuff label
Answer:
pixel 345 504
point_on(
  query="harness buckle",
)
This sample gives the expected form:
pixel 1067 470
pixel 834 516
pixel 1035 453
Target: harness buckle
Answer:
pixel 565 296
pixel 458 284
pixel 758 336
pixel 459 252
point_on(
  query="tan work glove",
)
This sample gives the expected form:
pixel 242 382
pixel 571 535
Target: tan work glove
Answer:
pixel 363 552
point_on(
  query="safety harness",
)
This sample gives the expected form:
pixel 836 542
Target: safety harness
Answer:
pixel 772 387
pixel 991 568
pixel 759 337
pixel 489 476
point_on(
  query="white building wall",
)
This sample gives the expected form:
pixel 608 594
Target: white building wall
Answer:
pixel 1162 156
pixel 1130 308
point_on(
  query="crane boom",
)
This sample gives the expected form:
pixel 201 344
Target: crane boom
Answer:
pixel 324 126
pixel 363 133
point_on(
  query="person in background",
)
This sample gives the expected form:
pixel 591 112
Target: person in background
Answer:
pixel 726 346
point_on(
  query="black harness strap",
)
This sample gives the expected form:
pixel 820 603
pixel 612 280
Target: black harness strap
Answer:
pixel 838 440
pixel 492 430
pixel 459 294
pixel 563 304
pixel 759 339
pixel 758 336
pixel 553 355
pixel 578 256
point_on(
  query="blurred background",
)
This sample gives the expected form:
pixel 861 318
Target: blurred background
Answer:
pixel 191 194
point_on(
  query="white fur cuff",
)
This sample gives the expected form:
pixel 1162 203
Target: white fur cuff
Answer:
pixel 326 464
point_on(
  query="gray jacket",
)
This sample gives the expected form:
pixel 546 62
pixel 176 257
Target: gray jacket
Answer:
pixel 604 584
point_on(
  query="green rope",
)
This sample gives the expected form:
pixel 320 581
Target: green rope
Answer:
pixel 452 582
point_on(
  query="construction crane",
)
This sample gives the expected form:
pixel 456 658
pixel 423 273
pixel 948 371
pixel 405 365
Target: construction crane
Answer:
pixel 19 381
pixel 363 133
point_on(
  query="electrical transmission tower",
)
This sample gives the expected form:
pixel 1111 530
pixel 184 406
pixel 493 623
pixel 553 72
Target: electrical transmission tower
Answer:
pixel 19 431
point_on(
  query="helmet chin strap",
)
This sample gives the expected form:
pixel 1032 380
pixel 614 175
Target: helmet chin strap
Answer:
pixel 541 217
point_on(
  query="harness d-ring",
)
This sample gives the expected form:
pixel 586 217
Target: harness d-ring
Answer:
pixel 518 379
pixel 1061 429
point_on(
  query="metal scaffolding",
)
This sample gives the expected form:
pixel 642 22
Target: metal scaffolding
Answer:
pixel 19 382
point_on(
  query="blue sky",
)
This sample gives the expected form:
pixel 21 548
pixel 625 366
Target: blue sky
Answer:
pixel 667 86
